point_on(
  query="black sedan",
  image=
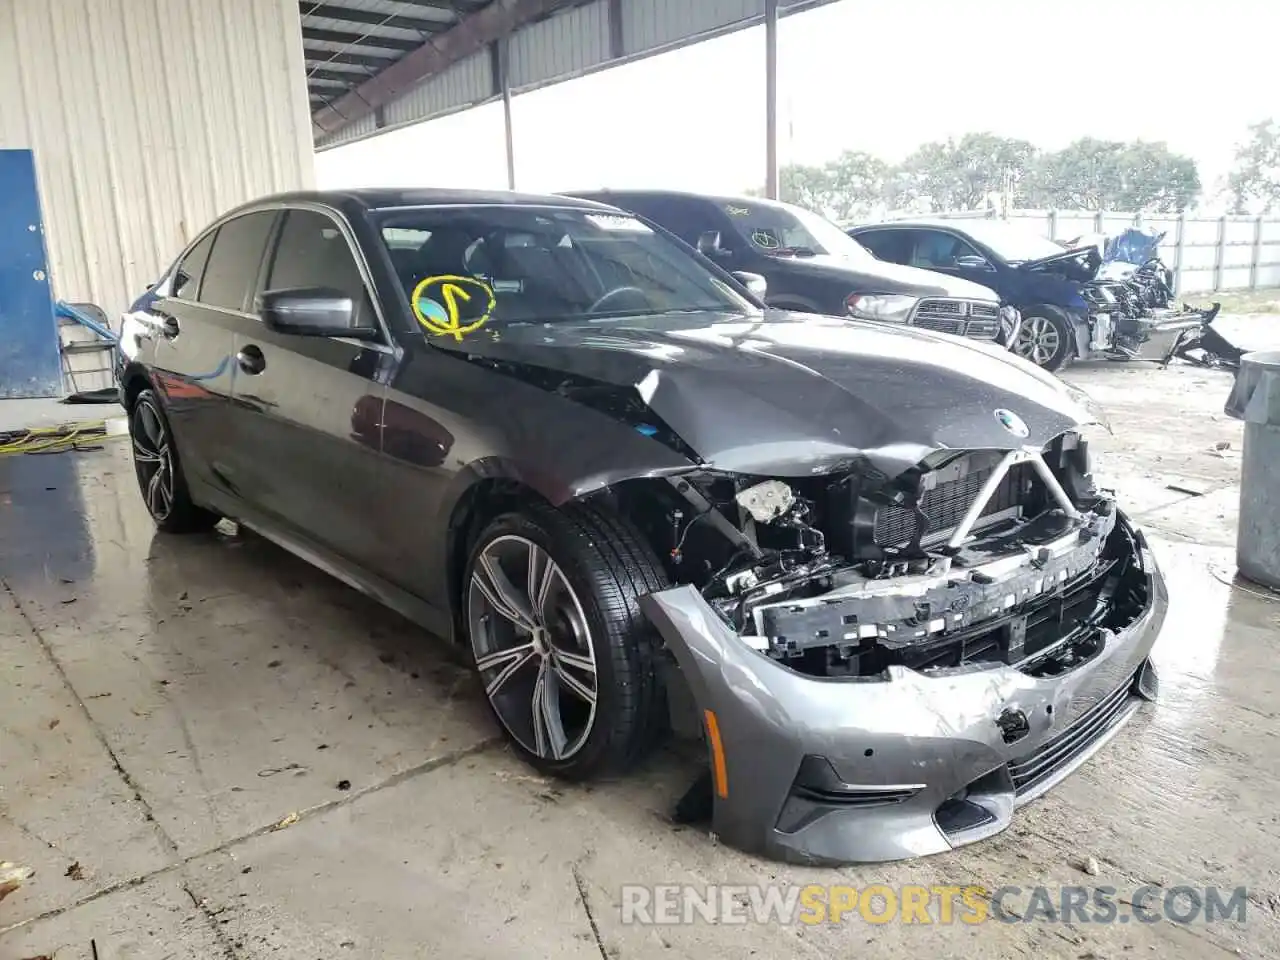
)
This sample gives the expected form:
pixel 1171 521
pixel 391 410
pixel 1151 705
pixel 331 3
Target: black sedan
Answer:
pixel 810 266
pixel 552 433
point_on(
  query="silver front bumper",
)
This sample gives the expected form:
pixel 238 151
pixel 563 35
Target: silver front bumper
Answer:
pixel 819 770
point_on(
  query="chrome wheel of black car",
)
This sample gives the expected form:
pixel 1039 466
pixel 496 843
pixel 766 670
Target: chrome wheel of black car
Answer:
pixel 159 470
pixel 153 459
pixel 533 647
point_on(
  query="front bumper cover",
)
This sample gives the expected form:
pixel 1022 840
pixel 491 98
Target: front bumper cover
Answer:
pixel 820 770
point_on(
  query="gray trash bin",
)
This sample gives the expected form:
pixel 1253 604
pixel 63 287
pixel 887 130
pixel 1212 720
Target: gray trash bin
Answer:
pixel 1255 399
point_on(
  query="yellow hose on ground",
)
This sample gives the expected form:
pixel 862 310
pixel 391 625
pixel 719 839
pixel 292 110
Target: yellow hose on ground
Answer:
pixel 65 436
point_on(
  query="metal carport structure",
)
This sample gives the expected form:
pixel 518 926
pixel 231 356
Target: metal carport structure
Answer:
pixel 375 65
pixel 147 118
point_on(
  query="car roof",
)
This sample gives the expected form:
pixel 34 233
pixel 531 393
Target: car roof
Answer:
pixel 381 198
pixel 607 195
pixel 957 223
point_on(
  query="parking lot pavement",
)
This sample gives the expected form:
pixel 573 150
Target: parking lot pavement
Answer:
pixel 209 749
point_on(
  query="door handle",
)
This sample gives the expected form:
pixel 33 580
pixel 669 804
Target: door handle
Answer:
pixel 251 360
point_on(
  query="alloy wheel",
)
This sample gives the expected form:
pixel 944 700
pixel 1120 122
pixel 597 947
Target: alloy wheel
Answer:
pixel 1037 341
pixel 532 647
pixel 152 459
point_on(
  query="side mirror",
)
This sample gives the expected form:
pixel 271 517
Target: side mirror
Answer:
pixel 971 261
pixel 756 285
pixel 313 312
pixel 709 244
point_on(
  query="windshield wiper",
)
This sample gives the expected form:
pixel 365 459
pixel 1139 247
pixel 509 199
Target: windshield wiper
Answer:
pixel 795 252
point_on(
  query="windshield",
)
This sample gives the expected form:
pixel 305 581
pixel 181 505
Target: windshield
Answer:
pixel 1011 242
pixel 784 230
pixel 463 267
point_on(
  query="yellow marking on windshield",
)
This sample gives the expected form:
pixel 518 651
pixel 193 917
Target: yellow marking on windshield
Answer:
pixel 457 308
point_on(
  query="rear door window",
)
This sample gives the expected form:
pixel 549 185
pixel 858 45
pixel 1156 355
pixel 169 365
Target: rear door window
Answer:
pixel 681 216
pixel 186 279
pixel 934 249
pixel 892 246
pixel 236 260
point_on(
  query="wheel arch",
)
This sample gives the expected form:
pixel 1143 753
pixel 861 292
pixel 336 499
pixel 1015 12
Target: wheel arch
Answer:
pixel 1078 342
pixel 1078 325
pixel 488 497
pixel 134 378
pixel 475 508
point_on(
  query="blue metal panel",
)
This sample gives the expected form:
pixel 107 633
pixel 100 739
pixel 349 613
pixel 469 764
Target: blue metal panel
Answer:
pixel 30 361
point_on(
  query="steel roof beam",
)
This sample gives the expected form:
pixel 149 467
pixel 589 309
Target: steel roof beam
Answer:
pixel 470 35
pixel 350 77
pixel 373 18
pixel 449 5
pixel 358 39
pixel 376 61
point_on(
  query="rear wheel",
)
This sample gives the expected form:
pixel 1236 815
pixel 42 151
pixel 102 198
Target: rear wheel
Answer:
pixel 1045 338
pixel 160 477
pixel 567 660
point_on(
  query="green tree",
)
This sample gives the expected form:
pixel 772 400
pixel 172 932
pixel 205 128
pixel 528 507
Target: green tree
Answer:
pixel 1081 176
pixel 1254 183
pixel 857 184
pixel 962 174
pixel 982 169
pixel 1093 174
pixel 1153 178
pixel 842 188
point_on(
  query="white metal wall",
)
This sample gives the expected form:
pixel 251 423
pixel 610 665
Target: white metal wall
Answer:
pixel 148 118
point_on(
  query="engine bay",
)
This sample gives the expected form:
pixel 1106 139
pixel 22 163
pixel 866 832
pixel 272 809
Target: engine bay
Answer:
pixel 973 557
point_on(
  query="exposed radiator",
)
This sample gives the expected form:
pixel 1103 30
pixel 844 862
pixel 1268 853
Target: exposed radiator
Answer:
pixel 945 505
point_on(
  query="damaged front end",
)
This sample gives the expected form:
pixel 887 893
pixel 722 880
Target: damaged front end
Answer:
pixel 886 665
pixel 901 606
pixel 1134 318
pixel 1131 304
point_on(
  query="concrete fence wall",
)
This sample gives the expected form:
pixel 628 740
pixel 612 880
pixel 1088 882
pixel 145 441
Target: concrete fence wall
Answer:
pixel 1206 253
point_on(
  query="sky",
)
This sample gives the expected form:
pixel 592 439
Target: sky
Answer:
pixel 869 75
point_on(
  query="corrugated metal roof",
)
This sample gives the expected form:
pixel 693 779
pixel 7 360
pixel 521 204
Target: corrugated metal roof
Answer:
pixel 148 118
pixel 467 83
pixel 332 29
pixel 362 127
pixel 651 24
pixel 567 43
pixel 568 39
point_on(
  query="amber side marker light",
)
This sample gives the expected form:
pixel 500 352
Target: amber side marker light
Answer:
pixel 718 770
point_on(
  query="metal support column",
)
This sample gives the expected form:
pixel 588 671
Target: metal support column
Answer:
pixel 504 80
pixel 771 97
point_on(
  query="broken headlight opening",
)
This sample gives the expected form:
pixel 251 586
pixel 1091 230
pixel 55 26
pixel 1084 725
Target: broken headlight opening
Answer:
pixel 974 557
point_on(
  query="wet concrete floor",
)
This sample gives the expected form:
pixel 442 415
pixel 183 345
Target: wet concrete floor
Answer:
pixel 166 702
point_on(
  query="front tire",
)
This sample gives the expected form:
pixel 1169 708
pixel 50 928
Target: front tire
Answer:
pixel 567 660
pixel 160 477
pixel 1045 338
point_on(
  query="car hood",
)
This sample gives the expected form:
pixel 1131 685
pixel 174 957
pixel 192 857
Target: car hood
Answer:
pixel 876 276
pixel 792 395
pixel 1080 264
